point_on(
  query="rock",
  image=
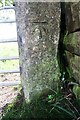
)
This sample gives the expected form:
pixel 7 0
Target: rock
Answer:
pixel 72 13
pixel 72 43
pixel 2 75
pixel 74 66
pixel 72 47
pixel 38 37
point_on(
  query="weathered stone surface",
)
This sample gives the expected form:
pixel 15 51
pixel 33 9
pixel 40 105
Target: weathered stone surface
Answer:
pixel 38 36
pixel 72 43
pixel 72 11
pixel 74 66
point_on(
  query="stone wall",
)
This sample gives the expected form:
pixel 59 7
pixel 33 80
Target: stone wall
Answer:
pixel 72 39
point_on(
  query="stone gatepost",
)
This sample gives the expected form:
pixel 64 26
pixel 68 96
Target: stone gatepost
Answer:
pixel 38 28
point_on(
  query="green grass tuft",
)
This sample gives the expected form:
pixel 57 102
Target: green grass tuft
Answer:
pixel 7 50
pixel 42 108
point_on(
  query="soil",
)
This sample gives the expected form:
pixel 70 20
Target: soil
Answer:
pixel 8 93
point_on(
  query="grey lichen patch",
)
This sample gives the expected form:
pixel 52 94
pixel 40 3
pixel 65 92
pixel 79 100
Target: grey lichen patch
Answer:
pixel 47 70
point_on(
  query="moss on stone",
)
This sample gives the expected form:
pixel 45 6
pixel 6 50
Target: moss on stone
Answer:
pixel 70 39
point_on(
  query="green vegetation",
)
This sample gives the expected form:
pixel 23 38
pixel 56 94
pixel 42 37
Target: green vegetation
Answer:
pixel 7 50
pixel 7 2
pixel 76 90
pixel 70 39
pixel 53 106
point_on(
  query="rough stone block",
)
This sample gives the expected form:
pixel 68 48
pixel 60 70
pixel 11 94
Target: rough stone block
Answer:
pixel 72 43
pixel 38 26
pixel 74 66
pixel 72 11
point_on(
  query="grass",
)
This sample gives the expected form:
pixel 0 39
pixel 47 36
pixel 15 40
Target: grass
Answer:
pixel 42 108
pixel 7 50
